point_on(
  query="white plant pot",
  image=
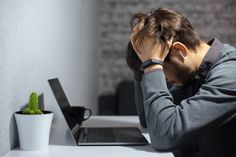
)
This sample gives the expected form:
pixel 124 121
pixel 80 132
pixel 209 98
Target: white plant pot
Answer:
pixel 34 130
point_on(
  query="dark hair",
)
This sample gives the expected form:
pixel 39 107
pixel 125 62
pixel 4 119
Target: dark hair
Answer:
pixel 163 24
pixel 132 59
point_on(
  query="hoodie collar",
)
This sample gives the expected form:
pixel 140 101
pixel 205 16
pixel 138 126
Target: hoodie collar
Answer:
pixel 210 58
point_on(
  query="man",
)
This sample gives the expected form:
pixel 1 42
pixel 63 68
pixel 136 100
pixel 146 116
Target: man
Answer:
pixel 196 117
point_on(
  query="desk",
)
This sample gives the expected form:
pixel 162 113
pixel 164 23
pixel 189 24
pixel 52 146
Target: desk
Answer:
pixel 61 143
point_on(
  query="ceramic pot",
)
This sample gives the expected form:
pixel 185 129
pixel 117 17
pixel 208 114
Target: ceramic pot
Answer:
pixel 34 130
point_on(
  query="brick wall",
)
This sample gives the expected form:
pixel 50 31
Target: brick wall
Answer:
pixel 211 18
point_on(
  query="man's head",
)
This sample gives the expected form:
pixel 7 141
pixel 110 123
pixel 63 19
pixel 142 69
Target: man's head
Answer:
pixel 164 25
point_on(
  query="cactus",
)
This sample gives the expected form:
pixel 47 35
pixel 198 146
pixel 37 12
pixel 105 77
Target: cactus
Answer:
pixel 32 107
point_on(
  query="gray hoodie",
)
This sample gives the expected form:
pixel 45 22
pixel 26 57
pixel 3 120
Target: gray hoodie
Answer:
pixel 198 119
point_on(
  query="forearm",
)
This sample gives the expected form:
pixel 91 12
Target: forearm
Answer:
pixel 177 93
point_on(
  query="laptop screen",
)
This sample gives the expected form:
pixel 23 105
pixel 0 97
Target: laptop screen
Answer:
pixel 64 106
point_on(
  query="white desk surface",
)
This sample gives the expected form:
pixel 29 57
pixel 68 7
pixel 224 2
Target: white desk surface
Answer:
pixel 61 143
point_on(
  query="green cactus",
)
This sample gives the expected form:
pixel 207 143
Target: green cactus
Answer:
pixel 32 107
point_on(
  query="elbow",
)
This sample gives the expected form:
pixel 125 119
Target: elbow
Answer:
pixel 163 148
pixel 166 143
pixel 164 134
pixel 163 145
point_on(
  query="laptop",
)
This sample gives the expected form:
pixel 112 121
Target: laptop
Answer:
pixel 94 136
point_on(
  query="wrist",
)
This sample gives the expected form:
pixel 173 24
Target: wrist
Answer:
pixel 152 68
pixel 152 64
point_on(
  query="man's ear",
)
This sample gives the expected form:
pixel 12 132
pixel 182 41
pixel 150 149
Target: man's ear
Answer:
pixel 180 48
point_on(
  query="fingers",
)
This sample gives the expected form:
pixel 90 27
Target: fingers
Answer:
pixel 170 42
pixel 133 43
pixel 149 46
pixel 137 28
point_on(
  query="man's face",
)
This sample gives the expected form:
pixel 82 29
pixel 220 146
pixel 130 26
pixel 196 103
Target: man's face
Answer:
pixel 177 71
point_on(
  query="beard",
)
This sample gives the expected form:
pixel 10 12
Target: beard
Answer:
pixel 184 74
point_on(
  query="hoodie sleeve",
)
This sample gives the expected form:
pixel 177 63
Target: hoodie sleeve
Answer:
pixel 139 103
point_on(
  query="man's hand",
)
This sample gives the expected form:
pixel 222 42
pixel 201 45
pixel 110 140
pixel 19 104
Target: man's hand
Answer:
pixel 149 48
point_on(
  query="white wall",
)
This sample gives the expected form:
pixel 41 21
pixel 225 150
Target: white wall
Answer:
pixel 43 39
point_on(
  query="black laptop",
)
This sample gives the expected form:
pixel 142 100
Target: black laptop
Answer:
pixel 95 136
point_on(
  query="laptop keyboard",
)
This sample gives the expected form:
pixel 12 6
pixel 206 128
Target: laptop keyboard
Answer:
pixel 97 135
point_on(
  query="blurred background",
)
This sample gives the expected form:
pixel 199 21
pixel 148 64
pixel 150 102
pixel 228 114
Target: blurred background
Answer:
pixel 83 43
